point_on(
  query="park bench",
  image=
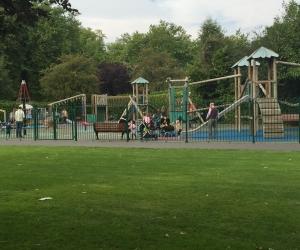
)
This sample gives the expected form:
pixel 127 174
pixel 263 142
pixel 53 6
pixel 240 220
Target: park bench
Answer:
pixel 102 127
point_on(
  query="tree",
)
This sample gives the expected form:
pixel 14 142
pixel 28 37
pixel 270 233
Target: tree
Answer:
pixel 75 74
pixel 284 38
pixel 127 48
pixel 215 53
pixel 172 39
pixel 92 44
pixel 156 67
pixel 29 11
pixel 6 84
pixel 114 78
pixel 26 28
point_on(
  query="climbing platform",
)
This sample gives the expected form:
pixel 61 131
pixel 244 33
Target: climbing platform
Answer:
pixel 271 117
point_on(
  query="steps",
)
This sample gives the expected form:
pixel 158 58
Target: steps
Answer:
pixel 271 117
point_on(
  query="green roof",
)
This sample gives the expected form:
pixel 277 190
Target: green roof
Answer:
pixel 243 63
pixel 140 80
pixel 262 52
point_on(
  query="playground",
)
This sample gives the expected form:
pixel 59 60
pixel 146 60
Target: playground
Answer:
pixel 256 114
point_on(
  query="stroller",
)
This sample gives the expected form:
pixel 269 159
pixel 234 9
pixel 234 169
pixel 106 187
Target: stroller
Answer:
pixel 147 131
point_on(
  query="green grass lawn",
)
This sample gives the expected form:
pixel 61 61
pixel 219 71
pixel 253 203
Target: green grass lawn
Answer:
pixel 148 199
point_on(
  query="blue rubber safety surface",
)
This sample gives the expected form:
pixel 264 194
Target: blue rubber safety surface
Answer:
pixel 290 135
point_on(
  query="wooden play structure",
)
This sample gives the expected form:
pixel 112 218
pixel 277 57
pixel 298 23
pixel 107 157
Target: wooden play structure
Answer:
pixel 67 102
pixel 248 86
pixel 186 101
pixel 99 108
pixel 263 92
pixel 139 101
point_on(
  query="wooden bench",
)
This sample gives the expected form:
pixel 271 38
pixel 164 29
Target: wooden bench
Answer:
pixel 290 117
pixel 109 127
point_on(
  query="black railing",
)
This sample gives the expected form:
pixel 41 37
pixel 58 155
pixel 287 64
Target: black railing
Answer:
pixel 260 120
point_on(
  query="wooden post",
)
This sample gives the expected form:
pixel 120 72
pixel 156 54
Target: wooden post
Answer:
pixel 255 109
pixel 270 78
pixel 214 79
pixel 146 98
pixel 239 80
pixel 275 86
pixel 137 94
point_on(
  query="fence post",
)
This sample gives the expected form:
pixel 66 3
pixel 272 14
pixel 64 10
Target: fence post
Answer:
pixel 252 104
pixel 35 123
pixel 126 125
pixel 54 124
pixel 186 110
pixel 299 120
pixel 75 124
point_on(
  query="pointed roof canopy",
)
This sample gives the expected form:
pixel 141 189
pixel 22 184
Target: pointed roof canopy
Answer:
pixel 262 52
pixel 243 63
pixel 140 80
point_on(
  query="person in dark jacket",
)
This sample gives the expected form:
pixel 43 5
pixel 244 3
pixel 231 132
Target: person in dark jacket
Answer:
pixel 212 118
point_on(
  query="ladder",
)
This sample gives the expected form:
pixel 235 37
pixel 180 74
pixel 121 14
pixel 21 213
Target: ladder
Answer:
pixel 271 117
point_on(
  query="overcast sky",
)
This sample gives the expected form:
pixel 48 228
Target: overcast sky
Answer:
pixel 116 17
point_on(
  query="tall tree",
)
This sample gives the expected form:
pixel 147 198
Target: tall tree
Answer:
pixel 214 55
pixel 92 44
pixel 114 78
pixel 74 75
pixel 283 36
pixel 172 39
pixel 156 67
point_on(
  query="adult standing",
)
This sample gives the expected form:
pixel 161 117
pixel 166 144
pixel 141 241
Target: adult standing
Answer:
pixel 19 119
pixel 64 114
pixel 212 117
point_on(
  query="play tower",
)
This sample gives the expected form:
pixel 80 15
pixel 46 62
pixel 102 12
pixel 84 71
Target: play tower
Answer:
pixel 262 86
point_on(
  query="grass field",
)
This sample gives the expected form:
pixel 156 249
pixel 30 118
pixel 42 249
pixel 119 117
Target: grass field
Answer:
pixel 148 199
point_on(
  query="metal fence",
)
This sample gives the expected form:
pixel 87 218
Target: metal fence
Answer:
pixel 260 120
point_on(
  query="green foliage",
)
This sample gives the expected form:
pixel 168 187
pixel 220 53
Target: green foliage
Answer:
pixel 284 38
pixel 127 48
pixel 74 75
pixel 172 39
pixel 156 67
pixel 113 78
pixel 5 81
pixel 35 34
pixel 92 44
pixel 214 56
pixel 159 101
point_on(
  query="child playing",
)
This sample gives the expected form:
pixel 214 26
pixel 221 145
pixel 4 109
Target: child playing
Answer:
pixel 178 127
pixel 8 128
pixel 132 129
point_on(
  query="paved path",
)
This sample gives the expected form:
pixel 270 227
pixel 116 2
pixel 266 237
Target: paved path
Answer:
pixel 157 144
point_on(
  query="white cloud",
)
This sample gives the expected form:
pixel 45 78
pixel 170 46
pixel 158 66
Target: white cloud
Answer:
pixel 116 17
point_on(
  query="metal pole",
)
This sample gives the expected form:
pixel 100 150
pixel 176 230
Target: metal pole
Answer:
pixel 186 110
pixel 252 104
pixel 35 124
pixel 299 120
pixel 24 109
pixel 54 124
pixel 75 124
pixel 215 79
pixel 126 125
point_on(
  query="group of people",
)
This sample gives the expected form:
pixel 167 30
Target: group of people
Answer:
pixel 18 117
pixel 153 126
pixel 159 124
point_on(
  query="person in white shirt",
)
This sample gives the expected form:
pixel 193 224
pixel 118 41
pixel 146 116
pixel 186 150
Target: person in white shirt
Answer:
pixel 19 118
